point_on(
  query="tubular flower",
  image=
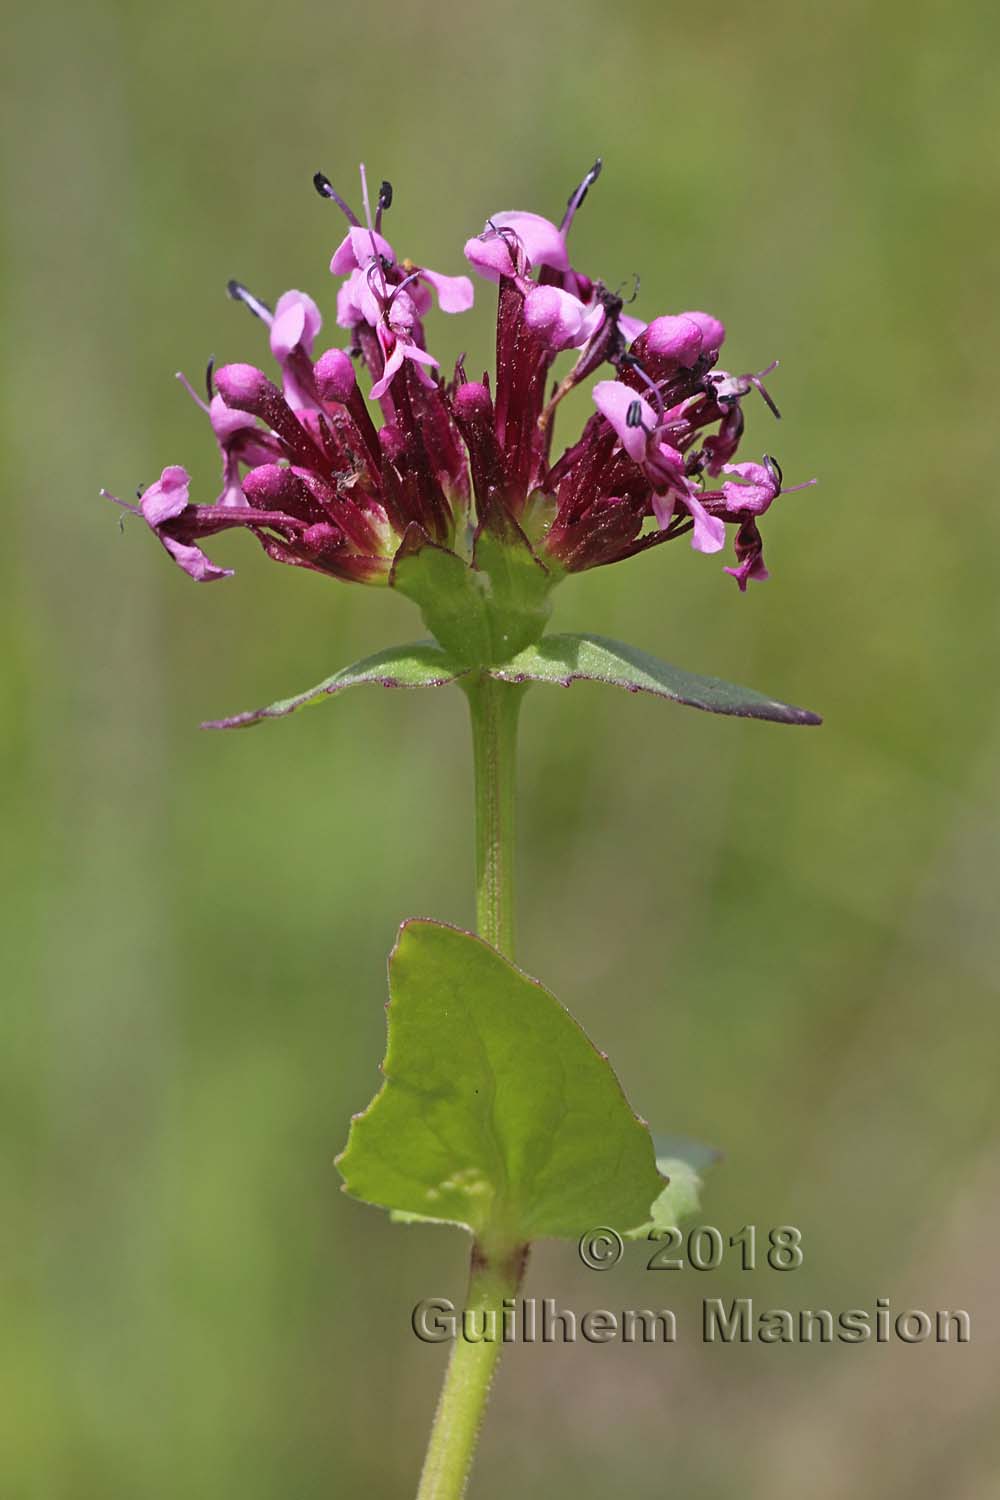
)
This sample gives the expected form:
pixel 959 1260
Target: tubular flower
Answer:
pixel 322 484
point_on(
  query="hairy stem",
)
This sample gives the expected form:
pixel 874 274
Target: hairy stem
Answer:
pixel 473 1359
pixel 494 708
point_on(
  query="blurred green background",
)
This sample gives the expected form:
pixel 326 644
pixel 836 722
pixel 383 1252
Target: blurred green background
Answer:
pixel 785 939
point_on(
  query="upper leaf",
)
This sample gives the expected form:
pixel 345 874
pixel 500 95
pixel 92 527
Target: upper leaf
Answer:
pixel 497 1113
pixel 421 665
pixel 564 659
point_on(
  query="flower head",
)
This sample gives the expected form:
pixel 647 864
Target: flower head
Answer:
pixel 309 470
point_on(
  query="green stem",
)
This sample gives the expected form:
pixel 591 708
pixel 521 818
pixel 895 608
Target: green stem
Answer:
pixel 466 1386
pixel 494 708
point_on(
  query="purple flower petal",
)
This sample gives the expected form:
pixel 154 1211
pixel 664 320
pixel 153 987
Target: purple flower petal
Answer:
pixel 455 294
pixel 539 241
pixel 167 497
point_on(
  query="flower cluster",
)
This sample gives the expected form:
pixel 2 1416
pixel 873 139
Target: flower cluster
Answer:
pixel 306 469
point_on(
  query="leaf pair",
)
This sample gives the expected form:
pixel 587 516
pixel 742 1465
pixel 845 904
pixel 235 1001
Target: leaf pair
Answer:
pixel 558 659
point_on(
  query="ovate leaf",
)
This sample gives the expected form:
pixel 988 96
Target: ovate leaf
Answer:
pixel 421 665
pixel 497 1113
pixel 564 659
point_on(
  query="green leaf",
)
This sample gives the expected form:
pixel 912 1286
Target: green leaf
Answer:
pixel 496 1113
pixel 564 659
pixel 682 1162
pixel 421 665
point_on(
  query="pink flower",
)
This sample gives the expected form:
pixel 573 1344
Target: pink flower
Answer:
pixel 669 342
pixel 749 556
pixel 241 441
pixel 759 486
pixel 514 243
pixel 559 319
pixel 395 335
pixel 708 532
pixel 713 333
pixel 324 483
pixel 294 327
pixel 358 249
pixel 162 506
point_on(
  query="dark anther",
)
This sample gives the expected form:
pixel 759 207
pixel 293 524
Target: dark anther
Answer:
pixel 326 189
pixel 774 469
pixel 240 293
pixel 580 192
pixel 767 399
pixel 209 372
pixel 385 195
pixel 633 417
pixel 139 490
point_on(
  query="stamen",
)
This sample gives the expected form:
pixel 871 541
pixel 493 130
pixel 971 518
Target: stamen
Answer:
pixel 759 383
pixel 179 375
pixel 364 195
pixel 209 373
pixel 654 390
pixel 511 239
pixel 380 293
pixel 384 203
pixel 325 188
pixel 774 469
pixel 371 227
pixel 633 417
pixel 579 193
pixel 401 286
pixel 636 283
pixel 239 293
pixel 125 504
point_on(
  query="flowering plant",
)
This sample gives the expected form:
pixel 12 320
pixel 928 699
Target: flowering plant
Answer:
pixel 455 497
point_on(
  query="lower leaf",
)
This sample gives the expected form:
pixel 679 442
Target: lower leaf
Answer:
pixel 497 1113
